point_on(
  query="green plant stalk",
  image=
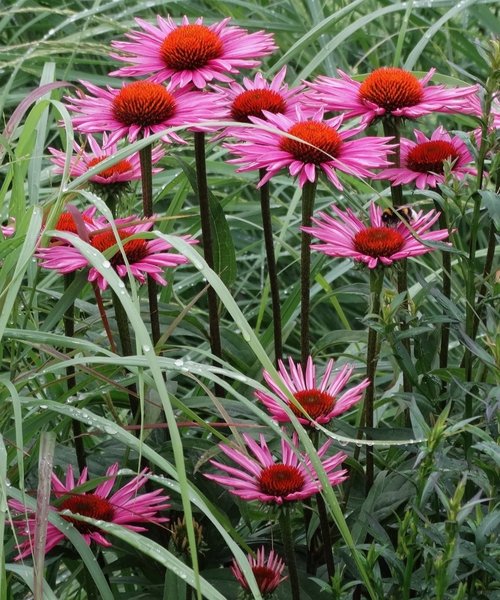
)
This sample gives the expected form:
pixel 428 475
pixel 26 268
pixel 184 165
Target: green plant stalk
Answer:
pixel 289 548
pixel 308 195
pixel 446 279
pixel 271 267
pixel 490 255
pixel 376 283
pixel 69 331
pixel 391 128
pixel 470 289
pixel 127 350
pixel 206 236
pixel 147 208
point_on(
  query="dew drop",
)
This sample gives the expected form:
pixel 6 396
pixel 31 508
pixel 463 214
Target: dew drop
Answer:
pixel 179 363
pixel 43 406
pixel 106 264
pixel 146 348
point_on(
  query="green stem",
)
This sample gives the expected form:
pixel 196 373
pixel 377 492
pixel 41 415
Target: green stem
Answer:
pixel 470 289
pixel 126 343
pixel 376 283
pixel 69 331
pixel 271 268
pixel 206 236
pixel 147 208
pixel 445 327
pixel 308 194
pixel 289 548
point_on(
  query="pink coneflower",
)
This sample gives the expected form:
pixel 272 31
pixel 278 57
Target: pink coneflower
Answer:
pixel 125 507
pixel 140 109
pixel 325 148
pixel 423 161
pixel 261 477
pixel 145 257
pixel 190 53
pixel 374 244
pixel 258 95
pixel 320 399
pixel 128 169
pixel 267 571
pixel 390 91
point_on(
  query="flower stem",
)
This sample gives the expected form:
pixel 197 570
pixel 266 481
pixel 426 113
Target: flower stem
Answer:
pixel 308 195
pixel 271 268
pixel 147 208
pixel 470 284
pixel 376 282
pixel 69 331
pixel 391 128
pixel 126 343
pixel 323 521
pixel 104 317
pixel 206 235
pixel 445 327
pixel 289 548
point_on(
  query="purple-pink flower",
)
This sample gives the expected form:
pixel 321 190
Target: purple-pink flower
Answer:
pixel 325 147
pixel 321 399
pixel 267 571
pixel 390 91
pixel 261 476
pixel 257 95
pixel 141 108
pixel 128 169
pixel 144 256
pixel 423 161
pixel 345 235
pixel 125 507
pixel 190 53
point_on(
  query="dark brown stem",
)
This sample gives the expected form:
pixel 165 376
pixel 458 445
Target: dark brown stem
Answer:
pixel 206 235
pixel 147 207
pixel 126 343
pixel 271 268
pixel 391 128
pixel 376 282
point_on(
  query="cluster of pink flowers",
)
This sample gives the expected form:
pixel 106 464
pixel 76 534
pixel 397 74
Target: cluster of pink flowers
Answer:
pixel 306 131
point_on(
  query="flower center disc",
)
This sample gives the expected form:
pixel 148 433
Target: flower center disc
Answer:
pixel 264 577
pixel 87 505
pixel 325 142
pixel 143 103
pixel 430 156
pixel 66 222
pixel 281 480
pixel 314 402
pixel 190 47
pixel 378 241
pixel 119 169
pixel 391 88
pixel 135 250
pixel 252 102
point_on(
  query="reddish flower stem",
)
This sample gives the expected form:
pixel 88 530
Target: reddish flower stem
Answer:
pixel 69 331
